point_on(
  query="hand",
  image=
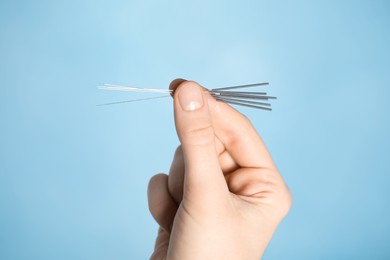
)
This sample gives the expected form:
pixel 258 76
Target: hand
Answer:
pixel 224 197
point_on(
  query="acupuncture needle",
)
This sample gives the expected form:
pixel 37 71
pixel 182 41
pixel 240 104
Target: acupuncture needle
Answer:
pixel 133 100
pixel 225 94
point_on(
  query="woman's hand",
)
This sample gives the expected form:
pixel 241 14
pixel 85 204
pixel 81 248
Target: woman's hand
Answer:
pixel 224 197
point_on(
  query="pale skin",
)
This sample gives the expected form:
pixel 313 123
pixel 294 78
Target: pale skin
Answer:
pixel 223 197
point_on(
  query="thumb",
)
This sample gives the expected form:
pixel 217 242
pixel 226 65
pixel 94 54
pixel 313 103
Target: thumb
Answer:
pixel 203 174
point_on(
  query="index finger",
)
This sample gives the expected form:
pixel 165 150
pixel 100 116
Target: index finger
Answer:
pixel 237 134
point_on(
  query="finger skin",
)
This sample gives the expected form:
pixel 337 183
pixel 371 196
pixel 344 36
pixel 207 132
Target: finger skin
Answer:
pixel 203 174
pixel 240 138
pixel 161 245
pixel 161 204
pixel 176 176
pixel 176 172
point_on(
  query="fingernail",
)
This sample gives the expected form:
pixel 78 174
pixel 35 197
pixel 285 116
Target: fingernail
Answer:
pixel 190 97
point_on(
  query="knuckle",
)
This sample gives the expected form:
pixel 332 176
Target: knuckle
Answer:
pixel 178 152
pixel 156 179
pixel 288 199
pixel 199 136
pixel 284 199
pixel 281 198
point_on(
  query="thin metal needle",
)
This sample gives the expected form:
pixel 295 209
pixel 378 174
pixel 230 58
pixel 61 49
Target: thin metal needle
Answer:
pixel 133 100
pixel 244 101
pixel 132 89
pixel 243 86
pixel 243 96
pixel 240 92
pixel 245 105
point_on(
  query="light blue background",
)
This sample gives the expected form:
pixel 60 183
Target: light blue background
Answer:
pixel 73 176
